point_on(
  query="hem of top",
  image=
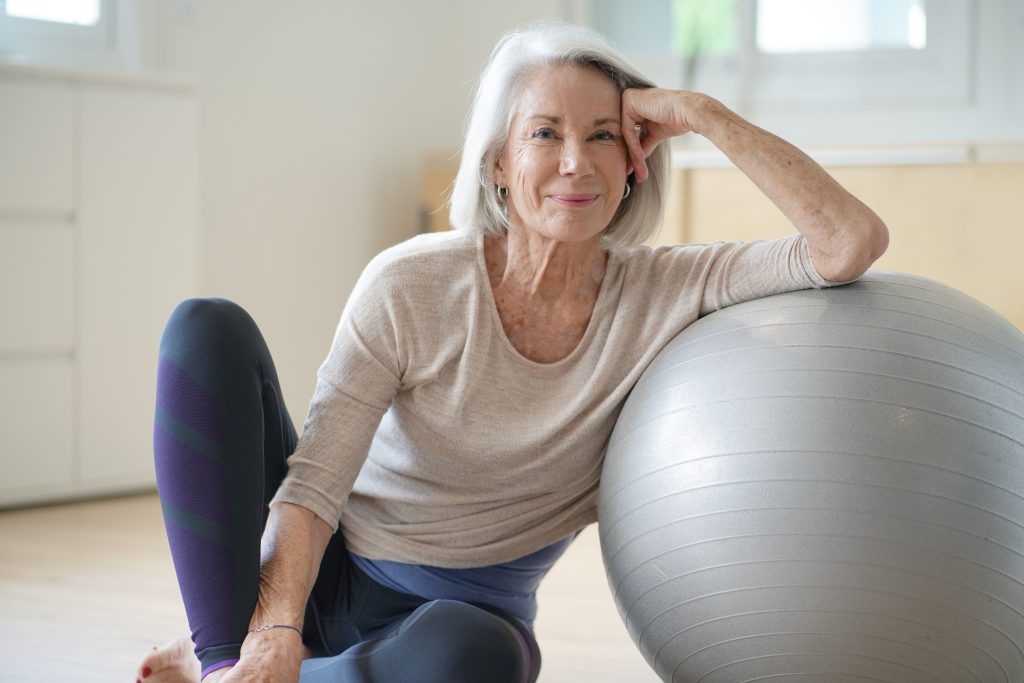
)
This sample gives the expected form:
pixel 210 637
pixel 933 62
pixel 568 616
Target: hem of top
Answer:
pixel 369 549
pixel 818 281
pixel 296 498
pixel 826 283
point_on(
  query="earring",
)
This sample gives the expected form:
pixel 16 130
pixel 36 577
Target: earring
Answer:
pixel 502 192
pixel 629 188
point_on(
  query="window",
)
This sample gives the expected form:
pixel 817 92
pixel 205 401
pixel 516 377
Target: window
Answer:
pixel 73 33
pixel 80 12
pixel 818 58
pixel 792 26
pixel 713 27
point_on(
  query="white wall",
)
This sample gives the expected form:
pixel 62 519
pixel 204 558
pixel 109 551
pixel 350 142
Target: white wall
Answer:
pixel 315 118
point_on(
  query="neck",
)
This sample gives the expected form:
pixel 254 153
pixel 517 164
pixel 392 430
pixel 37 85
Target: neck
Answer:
pixel 546 269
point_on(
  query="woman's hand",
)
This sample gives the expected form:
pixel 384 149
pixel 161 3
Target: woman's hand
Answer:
pixel 273 656
pixel 651 116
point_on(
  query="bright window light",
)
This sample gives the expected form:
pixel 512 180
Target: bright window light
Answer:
pixel 792 26
pixel 704 27
pixel 79 12
pixel 917 27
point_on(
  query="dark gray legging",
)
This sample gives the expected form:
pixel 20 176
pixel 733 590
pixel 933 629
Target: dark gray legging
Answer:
pixel 221 439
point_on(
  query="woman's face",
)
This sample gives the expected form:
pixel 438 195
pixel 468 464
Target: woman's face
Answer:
pixel 565 163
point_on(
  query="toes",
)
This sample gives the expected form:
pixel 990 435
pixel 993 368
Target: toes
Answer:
pixel 174 654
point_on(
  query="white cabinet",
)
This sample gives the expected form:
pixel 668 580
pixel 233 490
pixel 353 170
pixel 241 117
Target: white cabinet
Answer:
pixel 98 242
pixel 36 290
pixel 37 438
pixel 37 126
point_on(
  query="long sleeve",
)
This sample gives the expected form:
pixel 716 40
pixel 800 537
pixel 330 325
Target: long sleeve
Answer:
pixel 749 270
pixel 355 386
pixel 714 276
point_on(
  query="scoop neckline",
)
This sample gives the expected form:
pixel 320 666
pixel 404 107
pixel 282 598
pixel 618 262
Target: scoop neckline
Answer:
pixel 499 329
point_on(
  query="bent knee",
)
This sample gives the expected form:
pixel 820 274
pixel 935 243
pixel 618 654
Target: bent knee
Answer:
pixel 210 325
pixel 209 310
pixel 464 643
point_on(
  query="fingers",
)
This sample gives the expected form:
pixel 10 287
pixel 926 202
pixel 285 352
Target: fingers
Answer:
pixel 632 130
pixel 660 114
pixel 650 141
pixel 637 155
pixel 642 128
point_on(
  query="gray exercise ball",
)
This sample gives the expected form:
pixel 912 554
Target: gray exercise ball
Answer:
pixel 825 486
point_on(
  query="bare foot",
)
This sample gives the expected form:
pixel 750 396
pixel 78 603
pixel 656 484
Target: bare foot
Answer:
pixel 175 662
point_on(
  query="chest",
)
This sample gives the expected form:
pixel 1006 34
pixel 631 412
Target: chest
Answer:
pixel 543 333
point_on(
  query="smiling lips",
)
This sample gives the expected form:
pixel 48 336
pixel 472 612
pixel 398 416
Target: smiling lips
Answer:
pixel 575 200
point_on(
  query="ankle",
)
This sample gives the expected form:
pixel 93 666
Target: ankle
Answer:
pixel 216 675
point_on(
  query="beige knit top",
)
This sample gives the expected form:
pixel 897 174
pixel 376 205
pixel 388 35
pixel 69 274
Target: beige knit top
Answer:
pixel 435 442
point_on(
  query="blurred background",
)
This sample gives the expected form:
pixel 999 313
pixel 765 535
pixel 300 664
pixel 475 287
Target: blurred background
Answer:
pixel 155 150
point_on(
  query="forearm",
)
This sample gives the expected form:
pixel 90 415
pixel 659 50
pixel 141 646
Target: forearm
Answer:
pixel 845 236
pixel 293 546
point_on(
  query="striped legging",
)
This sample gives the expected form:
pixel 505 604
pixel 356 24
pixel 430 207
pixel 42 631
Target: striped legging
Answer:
pixel 221 440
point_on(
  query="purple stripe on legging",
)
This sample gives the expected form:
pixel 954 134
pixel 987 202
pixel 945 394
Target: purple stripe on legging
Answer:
pixel 218 665
pixel 204 569
pixel 184 399
pixel 190 480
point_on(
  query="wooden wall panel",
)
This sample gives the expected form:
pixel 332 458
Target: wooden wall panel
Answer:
pixel 960 224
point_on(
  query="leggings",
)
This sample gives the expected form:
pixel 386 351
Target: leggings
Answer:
pixel 221 440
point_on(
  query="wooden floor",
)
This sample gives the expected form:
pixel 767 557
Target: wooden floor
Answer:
pixel 87 588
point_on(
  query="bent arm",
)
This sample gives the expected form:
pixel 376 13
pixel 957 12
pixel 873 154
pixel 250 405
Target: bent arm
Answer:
pixel 844 235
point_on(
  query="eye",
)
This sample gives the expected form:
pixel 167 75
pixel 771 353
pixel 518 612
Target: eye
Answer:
pixel 544 134
pixel 604 135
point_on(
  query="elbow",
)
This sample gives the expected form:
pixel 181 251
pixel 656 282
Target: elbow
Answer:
pixel 874 242
pixel 862 246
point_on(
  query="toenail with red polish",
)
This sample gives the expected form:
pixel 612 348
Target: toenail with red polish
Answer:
pixel 146 672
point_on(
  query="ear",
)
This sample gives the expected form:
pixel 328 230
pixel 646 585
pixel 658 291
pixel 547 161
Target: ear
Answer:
pixel 498 172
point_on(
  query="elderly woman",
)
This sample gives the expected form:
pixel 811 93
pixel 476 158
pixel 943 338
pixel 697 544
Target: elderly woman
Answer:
pixel 454 442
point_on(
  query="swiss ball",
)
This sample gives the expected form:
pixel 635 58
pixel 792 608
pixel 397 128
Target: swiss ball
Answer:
pixel 825 485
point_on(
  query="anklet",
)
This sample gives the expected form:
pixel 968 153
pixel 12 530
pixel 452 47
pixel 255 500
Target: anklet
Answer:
pixel 267 627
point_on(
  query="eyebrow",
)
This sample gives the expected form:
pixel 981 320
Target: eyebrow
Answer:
pixel 558 119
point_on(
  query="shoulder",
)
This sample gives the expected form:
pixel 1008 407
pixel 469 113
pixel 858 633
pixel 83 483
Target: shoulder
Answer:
pixel 408 297
pixel 425 278
pixel 419 263
pixel 423 258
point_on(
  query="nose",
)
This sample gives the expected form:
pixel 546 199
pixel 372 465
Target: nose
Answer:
pixel 575 159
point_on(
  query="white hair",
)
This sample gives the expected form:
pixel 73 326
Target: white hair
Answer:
pixel 475 204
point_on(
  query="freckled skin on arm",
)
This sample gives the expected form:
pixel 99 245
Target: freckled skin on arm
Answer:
pixel 292 547
pixel 845 236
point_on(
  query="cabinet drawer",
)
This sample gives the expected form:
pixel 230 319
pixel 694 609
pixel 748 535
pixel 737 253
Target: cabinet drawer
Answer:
pixel 36 434
pixel 36 147
pixel 36 298
pixel 137 260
